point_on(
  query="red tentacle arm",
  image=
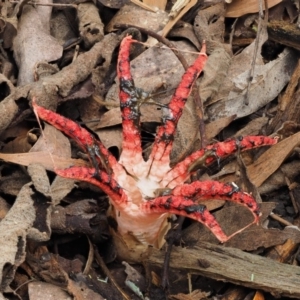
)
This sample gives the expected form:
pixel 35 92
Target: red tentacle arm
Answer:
pixel 181 172
pixel 160 155
pixel 98 178
pixel 180 206
pixel 205 190
pixel 131 156
pixel 96 150
pixel 183 200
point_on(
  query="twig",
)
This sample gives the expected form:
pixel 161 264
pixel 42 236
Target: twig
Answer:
pixel 108 274
pixel 75 55
pixel 46 4
pixel 280 220
pixel 290 186
pixel 173 236
pixel 261 22
pixel 232 31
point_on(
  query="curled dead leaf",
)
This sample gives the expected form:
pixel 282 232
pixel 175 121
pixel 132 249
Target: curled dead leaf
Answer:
pixel 14 229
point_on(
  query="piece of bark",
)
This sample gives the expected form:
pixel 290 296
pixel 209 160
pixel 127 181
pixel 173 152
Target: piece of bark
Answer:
pixel 282 253
pixel 236 266
pixel 285 33
pixel 290 113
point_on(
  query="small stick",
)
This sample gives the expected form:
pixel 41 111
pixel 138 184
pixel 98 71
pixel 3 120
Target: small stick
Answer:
pixel 232 31
pixel 75 53
pixel 108 274
pixel 280 220
pixel 291 194
pixel 262 21
pixel 46 4
pixel 173 235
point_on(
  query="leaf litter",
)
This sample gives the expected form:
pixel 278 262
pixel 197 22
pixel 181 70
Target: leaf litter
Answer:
pixel 69 71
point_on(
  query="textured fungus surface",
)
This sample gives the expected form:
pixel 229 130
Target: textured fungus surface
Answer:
pixel 144 193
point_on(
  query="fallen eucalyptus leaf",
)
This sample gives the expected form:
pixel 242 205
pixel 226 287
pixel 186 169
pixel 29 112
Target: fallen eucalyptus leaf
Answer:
pixel 265 87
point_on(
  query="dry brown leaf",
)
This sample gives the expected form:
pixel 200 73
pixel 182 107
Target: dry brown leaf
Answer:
pixel 48 161
pixel 111 137
pixel 8 30
pixel 60 188
pixel 145 5
pixel 52 150
pixel 61 28
pixel 256 237
pixel 33 42
pixel 186 134
pixel 61 84
pixel 20 144
pixel 11 184
pixel 213 128
pixel 195 295
pixel 135 15
pixel 186 31
pixel 149 113
pixel 42 290
pixel 177 17
pixel 14 229
pixel 278 179
pixel 81 291
pixel 9 22
pixel 240 64
pixel 265 86
pixel 52 272
pixel 253 127
pixel 209 27
pixel 15 131
pixel 52 141
pixel 215 70
pixel 161 4
pixel 242 7
pixel 39 178
pixel 90 25
pixel 212 204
